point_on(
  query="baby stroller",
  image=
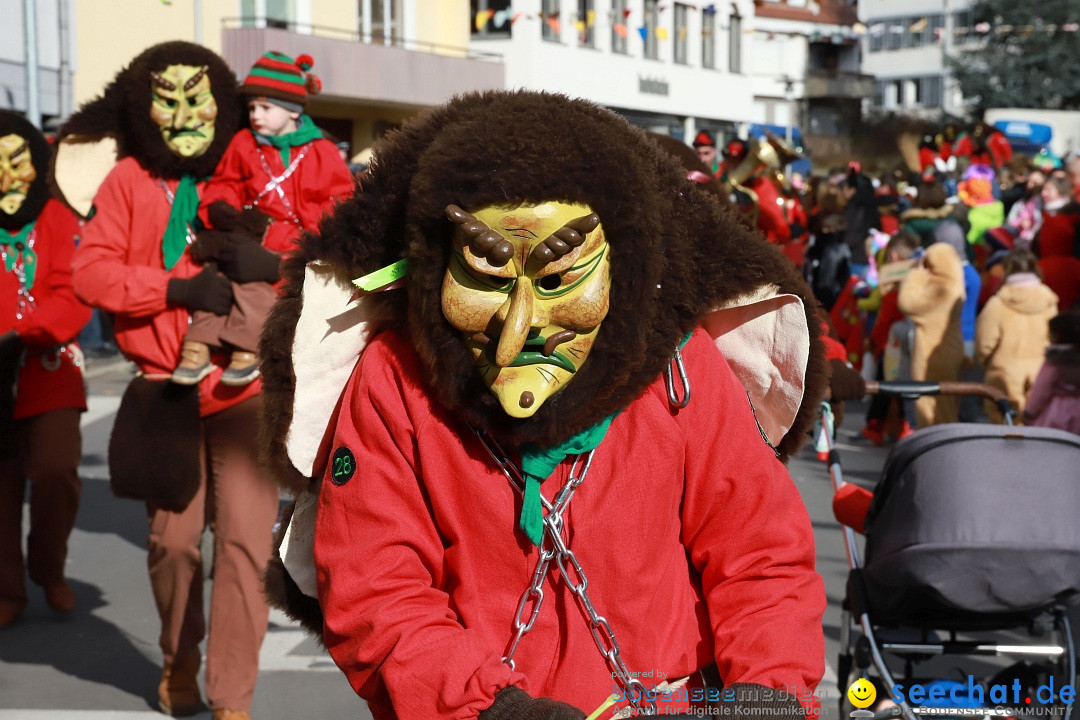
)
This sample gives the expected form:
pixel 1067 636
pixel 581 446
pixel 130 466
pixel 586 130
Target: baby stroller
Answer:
pixel 972 549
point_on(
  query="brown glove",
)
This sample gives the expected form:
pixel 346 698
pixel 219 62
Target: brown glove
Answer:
pixel 846 383
pixel 512 703
pixel 248 221
pixel 208 244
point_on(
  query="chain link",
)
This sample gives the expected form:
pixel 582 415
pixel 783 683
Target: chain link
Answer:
pixel 25 302
pixel 553 546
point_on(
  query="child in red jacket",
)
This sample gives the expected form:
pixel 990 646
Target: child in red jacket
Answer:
pixel 281 175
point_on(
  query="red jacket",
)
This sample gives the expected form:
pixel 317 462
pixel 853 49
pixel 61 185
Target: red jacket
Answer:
pixel 119 267
pixel 771 220
pixel 695 542
pixel 49 379
pixel 319 180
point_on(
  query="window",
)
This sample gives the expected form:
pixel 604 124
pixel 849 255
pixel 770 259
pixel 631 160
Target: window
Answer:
pixel 735 44
pixel 490 18
pixel 879 94
pixel 549 26
pixel 385 21
pixel 930 93
pixel 894 34
pixel 964 26
pixel 708 37
pixel 877 37
pixel 586 23
pixel 652 22
pixel 618 27
pixel 681 30
pixel 279 13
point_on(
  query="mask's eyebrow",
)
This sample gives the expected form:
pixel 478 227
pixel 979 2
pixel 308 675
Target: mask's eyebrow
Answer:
pixel 565 239
pixel 19 150
pixel 196 78
pixel 162 82
pixel 482 240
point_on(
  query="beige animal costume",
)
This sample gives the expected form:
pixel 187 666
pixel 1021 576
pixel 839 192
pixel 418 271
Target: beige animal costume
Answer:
pixel 932 296
pixel 1011 336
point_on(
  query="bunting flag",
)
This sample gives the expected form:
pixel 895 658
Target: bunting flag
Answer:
pixel 919 25
pixel 590 18
pixel 620 30
pixel 579 25
pixel 517 16
pixel 661 33
pixel 710 9
pixel 626 13
pixel 682 34
pixel 552 21
pixel 482 18
pixel 501 17
pixel 643 32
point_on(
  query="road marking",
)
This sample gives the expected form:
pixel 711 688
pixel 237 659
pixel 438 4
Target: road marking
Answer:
pixel 98 407
pixel 89 715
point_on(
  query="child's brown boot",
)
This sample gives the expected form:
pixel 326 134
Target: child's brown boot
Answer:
pixel 194 363
pixel 243 368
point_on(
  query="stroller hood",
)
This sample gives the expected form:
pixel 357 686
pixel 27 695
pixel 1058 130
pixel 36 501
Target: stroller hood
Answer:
pixel 976 518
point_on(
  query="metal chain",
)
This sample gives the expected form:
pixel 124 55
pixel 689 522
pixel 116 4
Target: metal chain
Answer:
pixel 170 196
pixel 553 547
pixel 275 183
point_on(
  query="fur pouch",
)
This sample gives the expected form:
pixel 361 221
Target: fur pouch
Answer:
pixel 154 447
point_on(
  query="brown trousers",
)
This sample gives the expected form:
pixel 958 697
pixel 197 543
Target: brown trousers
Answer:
pixel 241 327
pixel 240 503
pixel 49 448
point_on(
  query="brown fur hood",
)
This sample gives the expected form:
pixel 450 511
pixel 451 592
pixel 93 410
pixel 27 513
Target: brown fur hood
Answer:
pixel 675 255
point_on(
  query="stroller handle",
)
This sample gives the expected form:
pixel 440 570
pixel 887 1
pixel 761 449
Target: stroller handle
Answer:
pixel 912 389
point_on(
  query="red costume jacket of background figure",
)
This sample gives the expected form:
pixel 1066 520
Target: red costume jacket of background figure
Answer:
pixel 319 180
pixel 997 153
pixel 1058 251
pixel 119 267
pixel 421 565
pixel 55 319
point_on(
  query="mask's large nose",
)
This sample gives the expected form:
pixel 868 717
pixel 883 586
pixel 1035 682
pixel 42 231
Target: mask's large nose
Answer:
pixel 5 182
pixel 516 315
pixel 183 113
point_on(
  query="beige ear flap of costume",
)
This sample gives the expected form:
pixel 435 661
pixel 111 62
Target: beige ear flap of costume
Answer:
pixel 331 333
pixel 297 548
pixel 766 342
pixel 79 169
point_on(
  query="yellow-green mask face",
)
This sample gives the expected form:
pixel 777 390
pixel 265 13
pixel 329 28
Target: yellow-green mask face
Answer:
pixel 528 287
pixel 183 106
pixel 17 172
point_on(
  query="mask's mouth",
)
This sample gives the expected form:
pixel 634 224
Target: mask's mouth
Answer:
pixel 193 131
pixel 533 354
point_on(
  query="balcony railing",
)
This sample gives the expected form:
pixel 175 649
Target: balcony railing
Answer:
pixel 838 84
pixel 324 31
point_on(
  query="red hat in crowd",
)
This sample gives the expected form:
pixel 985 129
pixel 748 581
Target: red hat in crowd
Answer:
pixel 704 139
pixel 735 148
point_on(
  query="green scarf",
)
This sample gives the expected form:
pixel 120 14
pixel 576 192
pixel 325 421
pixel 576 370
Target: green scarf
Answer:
pixel 537 465
pixel 185 205
pixel 16 247
pixel 306 131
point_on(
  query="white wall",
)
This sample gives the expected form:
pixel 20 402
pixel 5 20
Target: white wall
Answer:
pixel 612 79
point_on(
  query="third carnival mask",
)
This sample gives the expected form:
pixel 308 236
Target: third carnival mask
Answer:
pixel 528 286
pixel 17 172
pixel 183 106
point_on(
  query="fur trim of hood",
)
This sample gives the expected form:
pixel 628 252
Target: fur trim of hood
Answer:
pixel 1028 299
pixel 122 111
pixel 41 156
pixel 945 211
pixel 675 255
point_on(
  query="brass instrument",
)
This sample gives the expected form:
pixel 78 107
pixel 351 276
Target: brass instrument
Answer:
pixel 764 157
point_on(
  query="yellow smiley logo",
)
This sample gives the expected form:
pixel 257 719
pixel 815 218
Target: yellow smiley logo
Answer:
pixel 862 693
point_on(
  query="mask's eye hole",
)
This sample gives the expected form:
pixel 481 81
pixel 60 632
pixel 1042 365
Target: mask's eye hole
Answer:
pixel 551 282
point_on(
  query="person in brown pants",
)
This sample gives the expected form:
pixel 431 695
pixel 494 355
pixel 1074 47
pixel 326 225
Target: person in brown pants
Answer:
pixel 240 505
pixel 134 261
pixel 41 387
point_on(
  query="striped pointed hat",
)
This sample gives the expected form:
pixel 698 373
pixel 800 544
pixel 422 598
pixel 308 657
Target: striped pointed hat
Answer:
pixel 283 80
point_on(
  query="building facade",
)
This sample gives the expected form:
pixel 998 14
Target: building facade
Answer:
pixel 671 67
pixel 807 71
pixel 54 48
pixel 905 47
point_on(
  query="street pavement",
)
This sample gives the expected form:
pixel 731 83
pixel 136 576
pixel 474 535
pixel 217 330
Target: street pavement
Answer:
pixel 103 662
